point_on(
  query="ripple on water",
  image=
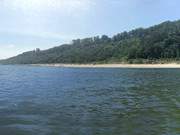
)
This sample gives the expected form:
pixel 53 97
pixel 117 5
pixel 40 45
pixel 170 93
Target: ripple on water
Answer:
pixel 77 101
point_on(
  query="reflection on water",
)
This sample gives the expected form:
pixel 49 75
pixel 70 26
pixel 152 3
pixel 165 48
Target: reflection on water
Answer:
pixel 76 101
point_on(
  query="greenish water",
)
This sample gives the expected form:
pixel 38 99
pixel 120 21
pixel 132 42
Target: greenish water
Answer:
pixel 85 101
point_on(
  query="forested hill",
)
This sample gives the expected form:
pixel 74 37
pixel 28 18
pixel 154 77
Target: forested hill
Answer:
pixel 159 42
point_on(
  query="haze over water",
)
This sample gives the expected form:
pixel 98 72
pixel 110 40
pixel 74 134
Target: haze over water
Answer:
pixel 89 101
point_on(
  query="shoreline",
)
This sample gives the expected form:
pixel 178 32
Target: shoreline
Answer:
pixel 170 65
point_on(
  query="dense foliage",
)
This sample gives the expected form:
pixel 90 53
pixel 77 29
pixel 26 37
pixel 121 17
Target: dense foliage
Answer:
pixel 155 43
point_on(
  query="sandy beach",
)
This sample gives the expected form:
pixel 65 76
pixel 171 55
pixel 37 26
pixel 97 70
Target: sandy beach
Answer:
pixel 171 65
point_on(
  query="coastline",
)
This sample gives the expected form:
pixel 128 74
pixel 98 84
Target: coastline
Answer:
pixel 170 65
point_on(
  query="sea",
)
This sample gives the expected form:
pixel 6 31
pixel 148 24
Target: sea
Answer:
pixel 38 100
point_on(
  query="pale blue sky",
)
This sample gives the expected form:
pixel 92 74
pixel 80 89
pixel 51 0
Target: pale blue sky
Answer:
pixel 30 24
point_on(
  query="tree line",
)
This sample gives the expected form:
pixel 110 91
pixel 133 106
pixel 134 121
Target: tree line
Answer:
pixel 156 43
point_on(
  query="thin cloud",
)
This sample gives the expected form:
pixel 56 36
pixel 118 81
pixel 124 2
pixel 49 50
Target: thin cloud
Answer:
pixel 7 46
pixel 40 34
pixel 48 5
pixel 10 46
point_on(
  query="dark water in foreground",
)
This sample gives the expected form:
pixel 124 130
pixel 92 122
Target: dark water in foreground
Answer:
pixel 76 101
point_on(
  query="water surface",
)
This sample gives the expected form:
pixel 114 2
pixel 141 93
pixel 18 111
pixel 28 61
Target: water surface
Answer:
pixel 85 101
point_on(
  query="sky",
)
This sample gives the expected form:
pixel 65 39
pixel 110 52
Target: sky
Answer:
pixel 29 24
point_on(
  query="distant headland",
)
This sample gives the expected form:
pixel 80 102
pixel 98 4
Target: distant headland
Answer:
pixel 158 44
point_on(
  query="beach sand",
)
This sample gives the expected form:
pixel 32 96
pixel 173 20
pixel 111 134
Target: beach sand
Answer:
pixel 171 65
